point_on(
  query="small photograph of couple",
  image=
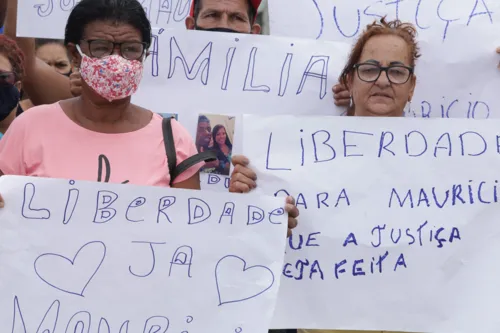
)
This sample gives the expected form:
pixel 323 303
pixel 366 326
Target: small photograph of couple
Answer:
pixel 216 133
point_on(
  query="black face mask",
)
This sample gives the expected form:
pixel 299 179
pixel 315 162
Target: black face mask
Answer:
pixel 9 99
pixel 217 30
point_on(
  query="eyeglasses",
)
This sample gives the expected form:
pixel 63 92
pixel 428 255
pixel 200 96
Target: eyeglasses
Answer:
pixel 129 50
pixel 7 77
pixel 396 74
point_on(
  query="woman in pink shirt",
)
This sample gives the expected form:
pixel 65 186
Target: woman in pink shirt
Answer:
pixel 100 135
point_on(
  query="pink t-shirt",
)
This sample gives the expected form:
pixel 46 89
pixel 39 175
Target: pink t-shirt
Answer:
pixel 45 142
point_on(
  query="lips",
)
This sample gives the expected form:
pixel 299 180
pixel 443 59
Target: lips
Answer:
pixel 381 94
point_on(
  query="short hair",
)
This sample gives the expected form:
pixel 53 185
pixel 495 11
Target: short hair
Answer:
pixel 117 11
pixel 9 49
pixel 203 119
pixel 250 10
pixel 39 42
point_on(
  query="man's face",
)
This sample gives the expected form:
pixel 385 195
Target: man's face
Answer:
pixel 229 14
pixel 204 134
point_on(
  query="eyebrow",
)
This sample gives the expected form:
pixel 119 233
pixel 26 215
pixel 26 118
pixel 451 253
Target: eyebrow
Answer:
pixel 373 61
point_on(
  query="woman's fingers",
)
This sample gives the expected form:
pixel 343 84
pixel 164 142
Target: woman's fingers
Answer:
pixel 293 213
pixel 240 159
pixel 241 183
pixel 239 169
pixel 341 95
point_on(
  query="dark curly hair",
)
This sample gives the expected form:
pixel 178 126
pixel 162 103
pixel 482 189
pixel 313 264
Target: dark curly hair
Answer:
pixel 9 48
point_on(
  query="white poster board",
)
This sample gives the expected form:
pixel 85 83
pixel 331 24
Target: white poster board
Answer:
pixel 193 73
pixel 438 21
pixel 457 71
pixel 47 18
pixel 92 257
pixel 398 224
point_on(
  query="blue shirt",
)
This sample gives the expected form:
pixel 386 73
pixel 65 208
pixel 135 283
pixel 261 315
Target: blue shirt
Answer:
pixel 1 135
pixel 1 30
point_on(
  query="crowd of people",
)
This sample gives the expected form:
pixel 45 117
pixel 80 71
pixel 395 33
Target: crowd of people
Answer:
pixel 84 118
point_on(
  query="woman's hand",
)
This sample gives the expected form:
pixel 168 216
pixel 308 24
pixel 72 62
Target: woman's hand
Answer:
pixel 341 95
pixel 75 81
pixel 2 203
pixel 242 178
pixel 293 213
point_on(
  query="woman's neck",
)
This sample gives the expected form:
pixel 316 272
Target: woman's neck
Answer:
pixel 109 113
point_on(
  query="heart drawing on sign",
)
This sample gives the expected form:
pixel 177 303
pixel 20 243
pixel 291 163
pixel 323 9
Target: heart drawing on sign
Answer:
pixel 237 283
pixel 71 276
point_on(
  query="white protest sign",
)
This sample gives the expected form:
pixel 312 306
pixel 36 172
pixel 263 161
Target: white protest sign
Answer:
pixel 437 21
pixel 47 18
pixel 398 226
pixel 192 73
pixel 92 257
pixel 456 74
pixel 238 73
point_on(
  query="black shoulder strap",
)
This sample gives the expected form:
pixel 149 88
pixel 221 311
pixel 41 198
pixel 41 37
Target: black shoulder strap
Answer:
pixel 174 169
pixel 168 140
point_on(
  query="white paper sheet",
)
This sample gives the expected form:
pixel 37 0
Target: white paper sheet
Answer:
pixel 233 74
pixel 456 73
pixel 438 21
pixel 91 257
pixel 195 72
pixel 47 18
pixel 433 269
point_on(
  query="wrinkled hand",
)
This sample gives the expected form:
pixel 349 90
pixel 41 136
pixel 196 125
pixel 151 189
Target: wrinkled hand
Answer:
pixel 341 95
pixel 75 81
pixel 293 213
pixel 2 203
pixel 242 178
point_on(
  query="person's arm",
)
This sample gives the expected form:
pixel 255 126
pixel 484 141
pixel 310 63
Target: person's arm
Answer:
pixel 38 73
pixel 192 183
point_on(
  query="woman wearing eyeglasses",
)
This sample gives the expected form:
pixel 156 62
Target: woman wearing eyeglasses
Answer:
pixel 11 73
pixel 100 135
pixel 380 80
